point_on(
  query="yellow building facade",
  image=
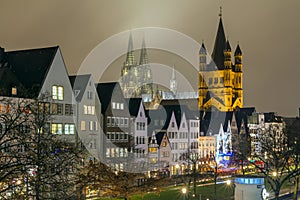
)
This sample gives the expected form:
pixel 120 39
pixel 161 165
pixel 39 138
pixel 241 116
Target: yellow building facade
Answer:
pixel 221 79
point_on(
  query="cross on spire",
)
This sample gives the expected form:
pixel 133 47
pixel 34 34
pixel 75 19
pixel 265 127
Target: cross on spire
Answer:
pixel 220 14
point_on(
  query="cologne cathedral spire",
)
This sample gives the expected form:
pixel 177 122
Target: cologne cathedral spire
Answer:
pixel 136 80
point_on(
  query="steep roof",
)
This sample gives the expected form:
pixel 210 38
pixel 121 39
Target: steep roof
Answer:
pixel 211 121
pixel 159 137
pixel 26 69
pixel 227 46
pixel 238 50
pixel 202 49
pixel 220 43
pixel 165 110
pixel 107 91
pixel 79 84
pixel 133 105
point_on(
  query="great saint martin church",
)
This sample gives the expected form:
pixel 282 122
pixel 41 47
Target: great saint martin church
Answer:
pixel 220 81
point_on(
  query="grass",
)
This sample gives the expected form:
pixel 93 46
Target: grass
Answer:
pixel 206 192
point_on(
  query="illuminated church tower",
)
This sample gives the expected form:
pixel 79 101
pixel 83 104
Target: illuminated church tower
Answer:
pixel 220 80
pixel 136 79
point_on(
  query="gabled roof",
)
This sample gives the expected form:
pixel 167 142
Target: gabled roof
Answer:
pixel 134 105
pixel 79 84
pixel 107 91
pixel 26 69
pixel 166 109
pixel 272 117
pixel 211 121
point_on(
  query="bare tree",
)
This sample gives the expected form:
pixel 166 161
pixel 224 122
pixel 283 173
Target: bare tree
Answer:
pixel 193 158
pixel 15 118
pixel 279 157
pixel 95 176
pixel 33 160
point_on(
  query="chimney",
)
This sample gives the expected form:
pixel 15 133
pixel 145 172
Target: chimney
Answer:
pixel 1 54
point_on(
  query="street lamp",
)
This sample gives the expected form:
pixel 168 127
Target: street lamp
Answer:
pixel 177 169
pixel 228 183
pixel 184 191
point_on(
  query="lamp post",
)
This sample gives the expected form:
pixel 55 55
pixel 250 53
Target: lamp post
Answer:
pixel 228 183
pixel 177 169
pixel 184 191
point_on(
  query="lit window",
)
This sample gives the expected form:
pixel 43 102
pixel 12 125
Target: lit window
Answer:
pixel 152 149
pixel 60 93
pixel 91 126
pixel 85 108
pixel 82 126
pixel 153 160
pixel 92 110
pixel 121 106
pixel 164 144
pixel 107 152
pixel 69 129
pixel 90 95
pixel 56 128
pixel 95 126
pixel 89 110
pixel 54 92
pixel 57 92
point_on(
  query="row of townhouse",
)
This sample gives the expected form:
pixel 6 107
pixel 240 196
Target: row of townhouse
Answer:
pixel 40 74
pixel 112 128
pixel 126 134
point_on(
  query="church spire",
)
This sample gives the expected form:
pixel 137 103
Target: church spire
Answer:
pixel 220 14
pixel 130 57
pixel 144 55
pixel 173 82
pixel 220 43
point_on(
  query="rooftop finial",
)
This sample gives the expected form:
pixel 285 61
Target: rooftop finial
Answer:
pixel 220 14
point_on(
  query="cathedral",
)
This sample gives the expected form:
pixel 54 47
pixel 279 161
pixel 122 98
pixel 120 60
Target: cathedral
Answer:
pixel 136 79
pixel 220 80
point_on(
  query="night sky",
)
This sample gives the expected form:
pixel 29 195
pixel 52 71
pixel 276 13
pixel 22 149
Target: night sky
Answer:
pixel 268 32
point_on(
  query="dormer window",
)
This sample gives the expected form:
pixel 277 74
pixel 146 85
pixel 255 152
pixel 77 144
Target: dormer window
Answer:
pixel 57 92
pixel 90 95
pixel 14 90
pixel 172 124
